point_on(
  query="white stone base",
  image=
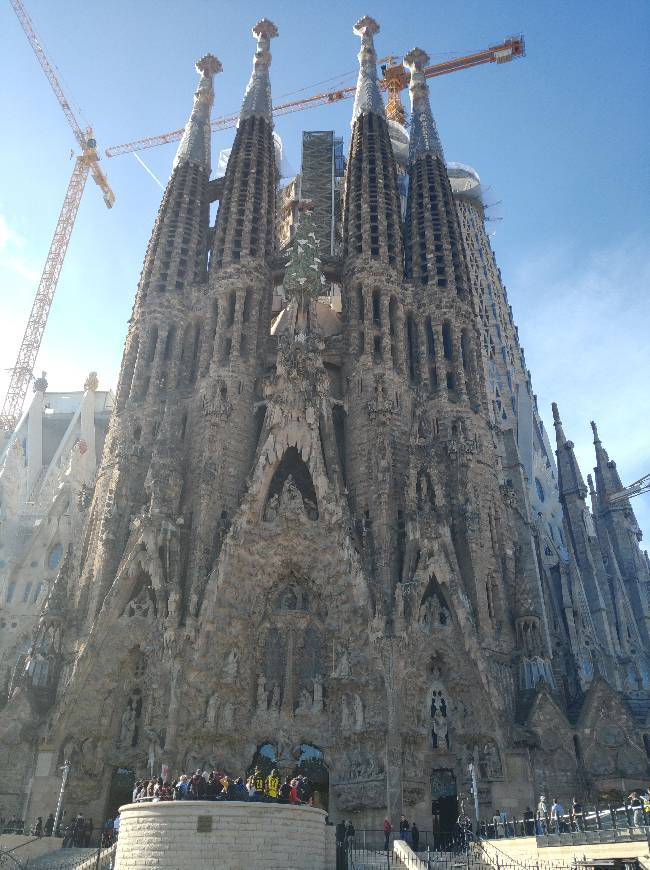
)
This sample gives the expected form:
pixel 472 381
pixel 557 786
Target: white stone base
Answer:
pixel 229 835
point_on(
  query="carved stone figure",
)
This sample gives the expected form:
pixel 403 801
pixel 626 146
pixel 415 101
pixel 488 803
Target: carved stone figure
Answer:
pixel 317 705
pixel 262 697
pixel 231 665
pixel 127 731
pixel 212 710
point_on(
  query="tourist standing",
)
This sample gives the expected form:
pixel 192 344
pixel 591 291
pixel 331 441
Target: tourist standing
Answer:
pixel 388 830
pixel 415 837
pixel 259 782
pixel 349 834
pixel 637 808
pixel 557 814
pixel 49 825
pixel 404 829
pixel 272 786
pixel 542 816
pixel 577 815
pixel 116 827
pixel 284 792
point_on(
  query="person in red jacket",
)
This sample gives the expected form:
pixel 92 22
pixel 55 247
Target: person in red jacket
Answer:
pixel 388 829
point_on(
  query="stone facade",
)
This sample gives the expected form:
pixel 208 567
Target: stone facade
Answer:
pixel 47 474
pixel 318 538
pixel 227 836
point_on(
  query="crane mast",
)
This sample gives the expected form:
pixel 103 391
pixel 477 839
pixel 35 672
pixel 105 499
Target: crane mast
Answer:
pixel 29 347
pixel 86 162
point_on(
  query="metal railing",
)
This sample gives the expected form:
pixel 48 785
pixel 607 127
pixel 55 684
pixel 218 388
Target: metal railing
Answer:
pixel 624 818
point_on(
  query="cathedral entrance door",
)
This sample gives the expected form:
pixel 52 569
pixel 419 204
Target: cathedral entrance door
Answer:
pixel 120 791
pixel 312 765
pixel 444 801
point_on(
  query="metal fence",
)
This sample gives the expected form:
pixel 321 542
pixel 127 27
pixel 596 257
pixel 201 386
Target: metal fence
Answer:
pixel 624 818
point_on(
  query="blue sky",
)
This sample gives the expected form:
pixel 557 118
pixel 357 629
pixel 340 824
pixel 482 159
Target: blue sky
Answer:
pixel 559 139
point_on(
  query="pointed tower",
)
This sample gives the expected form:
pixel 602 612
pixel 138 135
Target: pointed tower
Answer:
pixel 371 222
pixel 376 430
pixel 618 519
pixel 161 351
pixel 233 328
pixel 246 222
pixel 176 257
pixel 443 341
pixel 583 540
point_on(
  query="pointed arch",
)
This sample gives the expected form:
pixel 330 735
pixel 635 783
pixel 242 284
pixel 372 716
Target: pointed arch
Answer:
pixel 293 466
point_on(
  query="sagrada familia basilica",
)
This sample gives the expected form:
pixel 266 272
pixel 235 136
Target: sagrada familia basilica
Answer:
pixel 328 534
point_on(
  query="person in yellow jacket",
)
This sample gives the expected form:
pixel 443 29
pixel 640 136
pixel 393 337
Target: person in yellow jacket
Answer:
pixel 259 784
pixel 272 786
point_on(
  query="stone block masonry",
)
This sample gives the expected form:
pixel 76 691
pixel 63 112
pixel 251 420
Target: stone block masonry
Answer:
pixel 230 836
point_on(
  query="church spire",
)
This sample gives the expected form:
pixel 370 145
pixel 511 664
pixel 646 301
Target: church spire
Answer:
pixel 569 476
pixel 195 144
pixel 245 228
pixel 257 98
pixel 424 133
pixel 372 210
pixel 367 97
pixel 607 477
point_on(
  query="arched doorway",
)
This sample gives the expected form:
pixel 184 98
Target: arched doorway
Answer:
pixel 311 763
pixel 120 791
pixel 265 759
pixel 444 801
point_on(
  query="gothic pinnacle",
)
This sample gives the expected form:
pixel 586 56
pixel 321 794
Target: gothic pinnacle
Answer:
pixel 257 98
pixel 367 97
pixel 195 144
pixel 594 429
pixel 559 431
pixel 424 134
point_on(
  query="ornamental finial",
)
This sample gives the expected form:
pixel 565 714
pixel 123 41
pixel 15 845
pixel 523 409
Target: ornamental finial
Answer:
pixel 257 99
pixel 367 97
pixel 195 144
pixel 209 65
pixel 264 29
pixel 366 26
pixel 424 134
pixel 416 59
pixel 594 429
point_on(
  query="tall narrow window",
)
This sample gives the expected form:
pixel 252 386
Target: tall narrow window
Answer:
pixel 412 349
pixel 232 301
pixel 376 308
pixel 392 319
pixel 447 346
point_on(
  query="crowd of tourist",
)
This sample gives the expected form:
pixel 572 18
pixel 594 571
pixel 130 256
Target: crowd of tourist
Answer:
pixel 219 786
pixel 553 818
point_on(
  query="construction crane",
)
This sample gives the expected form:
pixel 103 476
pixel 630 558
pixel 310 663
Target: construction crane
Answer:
pixel 394 80
pixel 85 162
pixel 637 488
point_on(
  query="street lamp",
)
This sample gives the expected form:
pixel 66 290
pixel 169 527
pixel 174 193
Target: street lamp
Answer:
pixel 59 806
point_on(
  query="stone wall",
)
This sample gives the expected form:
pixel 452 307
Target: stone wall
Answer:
pixel 23 847
pixel 525 850
pixel 231 836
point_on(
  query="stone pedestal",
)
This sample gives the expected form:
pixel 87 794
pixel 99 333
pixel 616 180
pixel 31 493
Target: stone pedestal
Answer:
pixel 229 835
